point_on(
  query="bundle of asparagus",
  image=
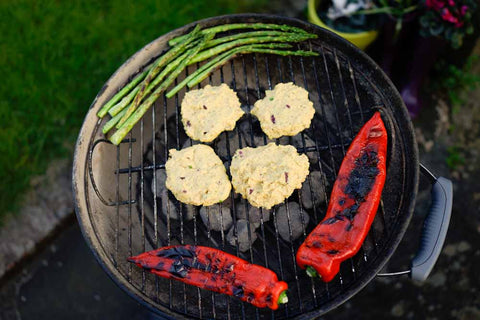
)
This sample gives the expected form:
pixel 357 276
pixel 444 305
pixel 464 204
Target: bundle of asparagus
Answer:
pixel 130 103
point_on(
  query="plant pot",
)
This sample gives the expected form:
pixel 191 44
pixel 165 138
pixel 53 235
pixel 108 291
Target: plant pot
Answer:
pixel 360 39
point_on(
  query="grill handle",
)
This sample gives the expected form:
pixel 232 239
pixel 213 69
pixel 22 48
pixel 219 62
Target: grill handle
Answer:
pixel 434 229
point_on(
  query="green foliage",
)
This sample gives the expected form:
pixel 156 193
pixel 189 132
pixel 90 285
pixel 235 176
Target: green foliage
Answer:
pixel 55 57
pixel 455 81
pixel 455 157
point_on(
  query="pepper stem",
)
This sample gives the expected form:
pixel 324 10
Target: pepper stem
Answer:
pixel 283 298
pixel 311 272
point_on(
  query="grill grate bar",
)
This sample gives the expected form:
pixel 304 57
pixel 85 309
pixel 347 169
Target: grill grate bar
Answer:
pixel 292 250
pixel 247 206
pixel 339 130
pixel 252 141
pixel 345 100
pixel 209 238
pixel 222 232
pixel 352 132
pixel 155 207
pixel 142 198
pixel 180 209
pixel 195 232
pixel 117 209
pixel 129 231
pixel 274 210
pixel 212 295
pixel 304 149
pixel 227 142
pixel 292 77
pixel 354 82
pixel 237 249
pixel 317 85
pixel 262 227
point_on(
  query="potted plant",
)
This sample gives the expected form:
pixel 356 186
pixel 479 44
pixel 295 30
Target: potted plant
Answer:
pixel 359 35
pixel 359 20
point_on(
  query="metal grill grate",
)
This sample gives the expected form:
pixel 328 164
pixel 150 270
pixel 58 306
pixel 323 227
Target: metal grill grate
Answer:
pixel 126 215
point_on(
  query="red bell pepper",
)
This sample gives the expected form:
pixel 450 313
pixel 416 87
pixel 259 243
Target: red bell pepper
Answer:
pixel 218 271
pixel 353 204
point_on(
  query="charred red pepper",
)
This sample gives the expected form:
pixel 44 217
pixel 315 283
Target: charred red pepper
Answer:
pixel 218 271
pixel 353 204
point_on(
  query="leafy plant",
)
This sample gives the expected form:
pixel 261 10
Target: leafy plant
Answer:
pixel 456 81
pixel 455 157
pixel 360 15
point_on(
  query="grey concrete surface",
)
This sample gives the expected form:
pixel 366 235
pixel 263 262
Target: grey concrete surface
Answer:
pixel 65 282
pixel 45 207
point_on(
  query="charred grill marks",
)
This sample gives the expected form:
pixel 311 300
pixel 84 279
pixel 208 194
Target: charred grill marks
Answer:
pixel 363 176
pixel 360 182
pixel 177 252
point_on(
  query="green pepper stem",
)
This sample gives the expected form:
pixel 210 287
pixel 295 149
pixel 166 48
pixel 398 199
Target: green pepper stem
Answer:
pixel 283 298
pixel 311 272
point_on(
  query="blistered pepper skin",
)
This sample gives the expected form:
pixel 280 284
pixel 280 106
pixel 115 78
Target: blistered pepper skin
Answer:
pixel 215 270
pixel 353 203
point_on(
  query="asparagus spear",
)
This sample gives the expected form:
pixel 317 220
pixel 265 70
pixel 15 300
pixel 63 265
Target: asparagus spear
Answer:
pixel 281 36
pixel 118 136
pixel 199 77
pixel 112 122
pixel 160 77
pixel 214 61
pixel 120 94
pixel 226 46
pixel 162 61
pixel 154 83
pixel 269 36
pixel 242 35
pixel 166 71
pixel 233 26
pixel 124 102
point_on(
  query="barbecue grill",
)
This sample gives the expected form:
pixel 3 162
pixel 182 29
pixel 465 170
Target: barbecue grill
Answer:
pixel 116 187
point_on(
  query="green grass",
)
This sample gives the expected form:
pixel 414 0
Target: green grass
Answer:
pixel 55 57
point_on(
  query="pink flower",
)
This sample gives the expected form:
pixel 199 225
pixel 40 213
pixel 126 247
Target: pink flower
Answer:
pixel 463 10
pixel 451 3
pixel 447 16
pixel 435 4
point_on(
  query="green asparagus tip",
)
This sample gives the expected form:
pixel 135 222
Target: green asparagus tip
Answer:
pixel 283 298
pixel 312 273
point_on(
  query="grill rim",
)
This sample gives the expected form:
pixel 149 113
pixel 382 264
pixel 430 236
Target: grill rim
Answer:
pixel 80 165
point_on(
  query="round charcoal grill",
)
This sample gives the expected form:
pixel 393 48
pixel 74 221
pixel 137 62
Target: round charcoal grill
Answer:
pixel 124 210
